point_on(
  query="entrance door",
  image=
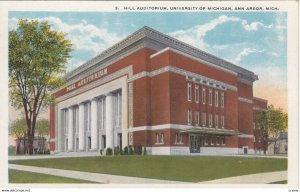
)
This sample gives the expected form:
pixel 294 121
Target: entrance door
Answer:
pixel 195 143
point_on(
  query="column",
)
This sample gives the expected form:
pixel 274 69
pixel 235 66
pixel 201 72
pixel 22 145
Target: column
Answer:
pixel 94 130
pixel 81 126
pixel 70 129
pixel 109 120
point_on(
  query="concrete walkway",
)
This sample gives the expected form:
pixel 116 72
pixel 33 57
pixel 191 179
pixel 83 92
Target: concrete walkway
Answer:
pixel 96 177
pixel 259 178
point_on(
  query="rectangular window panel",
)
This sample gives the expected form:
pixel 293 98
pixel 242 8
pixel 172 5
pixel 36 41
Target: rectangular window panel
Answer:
pixel 189 91
pixel 203 95
pixel 222 99
pixel 189 117
pixel 217 121
pixel 197 118
pixel 222 121
pixel 210 120
pixel 197 94
pixel 203 119
pixel 210 96
pixel 216 98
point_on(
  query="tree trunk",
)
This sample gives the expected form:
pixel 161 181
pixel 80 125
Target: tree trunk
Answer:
pixel 30 144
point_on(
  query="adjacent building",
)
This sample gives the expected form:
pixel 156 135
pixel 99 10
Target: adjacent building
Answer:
pixel 153 90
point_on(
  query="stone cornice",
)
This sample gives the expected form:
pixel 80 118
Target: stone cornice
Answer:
pixel 150 38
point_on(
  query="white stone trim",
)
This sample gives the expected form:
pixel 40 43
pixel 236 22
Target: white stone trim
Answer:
pixel 246 136
pixel 245 100
pixel 259 109
pixel 159 127
pixel 195 77
pixel 124 71
pixel 194 58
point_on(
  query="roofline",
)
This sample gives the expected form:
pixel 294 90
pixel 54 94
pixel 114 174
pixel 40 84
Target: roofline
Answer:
pixel 164 40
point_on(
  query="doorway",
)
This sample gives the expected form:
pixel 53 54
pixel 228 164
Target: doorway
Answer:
pixel 195 143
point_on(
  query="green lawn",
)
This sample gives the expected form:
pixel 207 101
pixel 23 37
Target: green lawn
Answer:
pixel 179 168
pixel 16 176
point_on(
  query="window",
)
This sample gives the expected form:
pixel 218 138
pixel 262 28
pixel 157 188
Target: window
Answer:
pixel 178 138
pixel 211 141
pixel 210 120
pixel 197 118
pixel 159 138
pixel 189 91
pixel 222 99
pixel 210 96
pixel 222 121
pixel 203 95
pixel 218 140
pixel 203 119
pixel 205 140
pixel 197 94
pixel 254 125
pixel 223 140
pixel 216 98
pixel 217 121
pixel 189 117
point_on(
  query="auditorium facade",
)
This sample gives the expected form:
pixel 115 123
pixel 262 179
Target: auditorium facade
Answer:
pixel 158 92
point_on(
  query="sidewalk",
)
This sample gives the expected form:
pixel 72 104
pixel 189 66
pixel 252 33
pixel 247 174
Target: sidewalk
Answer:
pixel 259 178
pixel 96 177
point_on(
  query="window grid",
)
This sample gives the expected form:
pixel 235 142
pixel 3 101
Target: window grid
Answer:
pixel 217 121
pixel 222 99
pixel 210 120
pixel 197 118
pixel 189 117
pixel 222 121
pixel 203 95
pixel 210 97
pixel 203 119
pixel 197 94
pixel 216 98
pixel 189 91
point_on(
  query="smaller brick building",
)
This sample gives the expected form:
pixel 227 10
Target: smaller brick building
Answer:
pixel 153 90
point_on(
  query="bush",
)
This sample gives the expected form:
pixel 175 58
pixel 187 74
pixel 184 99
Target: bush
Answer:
pixel 116 151
pixel 144 151
pixel 135 150
pixel 101 151
pixel 139 150
pixel 126 150
pixel 11 150
pixel 108 152
pixel 121 151
pixel 130 152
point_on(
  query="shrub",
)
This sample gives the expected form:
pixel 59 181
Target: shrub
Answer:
pixel 116 151
pixel 101 151
pixel 144 151
pixel 109 152
pixel 11 150
pixel 135 150
pixel 130 152
pixel 139 150
pixel 121 151
pixel 126 150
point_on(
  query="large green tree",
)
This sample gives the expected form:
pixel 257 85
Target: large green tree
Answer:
pixel 42 128
pixel 18 129
pixel 37 58
pixel 269 124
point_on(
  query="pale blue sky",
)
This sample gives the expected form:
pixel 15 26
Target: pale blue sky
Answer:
pixel 254 40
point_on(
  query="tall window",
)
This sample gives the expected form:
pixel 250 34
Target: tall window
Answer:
pixel 160 138
pixel 217 121
pixel 189 91
pixel 197 118
pixel 216 98
pixel 222 99
pixel 205 140
pixel 189 117
pixel 196 93
pixel 203 119
pixel 222 121
pixel 178 138
pixel 210 120
pixel 210 96
pixel 203 95
pixel 218 140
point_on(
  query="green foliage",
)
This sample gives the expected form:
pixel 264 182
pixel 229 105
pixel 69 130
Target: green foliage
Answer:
pixel 109 152
pixel 18 128
pixel 126 150
pixel 117 151
pixel 37 58
pixel 11 150
pixel 270 123
pixel 42 127
pixel 130 151
pixel 144 151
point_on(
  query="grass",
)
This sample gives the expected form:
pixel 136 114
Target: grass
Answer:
pixel 16 176
pixel 178 168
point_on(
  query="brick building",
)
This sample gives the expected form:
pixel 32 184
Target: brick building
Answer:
pixel 153 90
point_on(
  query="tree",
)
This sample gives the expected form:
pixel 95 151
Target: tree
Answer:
pixel 42 128
pixel 18 129
pixel 37 58
pixel 270 123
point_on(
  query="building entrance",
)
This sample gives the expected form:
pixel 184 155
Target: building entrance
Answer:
pixel 195 143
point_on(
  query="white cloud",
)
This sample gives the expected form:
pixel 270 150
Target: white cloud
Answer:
pixel 245 52
pixel 254 26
